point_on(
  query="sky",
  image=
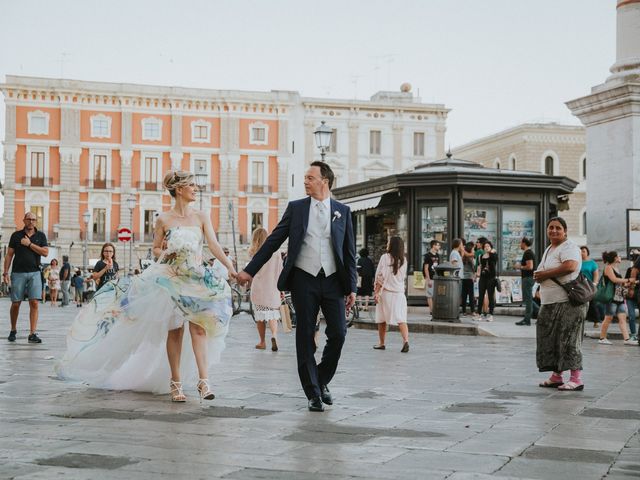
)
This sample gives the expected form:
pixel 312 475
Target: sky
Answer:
pixel 494 63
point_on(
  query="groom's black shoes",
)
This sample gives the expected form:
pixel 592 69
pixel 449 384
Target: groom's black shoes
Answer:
pixel 315 405
pixel 325 394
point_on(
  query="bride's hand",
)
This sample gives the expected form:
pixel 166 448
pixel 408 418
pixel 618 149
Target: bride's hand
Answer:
pixel 233 275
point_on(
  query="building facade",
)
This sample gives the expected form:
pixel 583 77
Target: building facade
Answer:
pixel 547 148
pixel 77 150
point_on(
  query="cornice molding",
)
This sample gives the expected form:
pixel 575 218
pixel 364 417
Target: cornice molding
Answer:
pixel 605 105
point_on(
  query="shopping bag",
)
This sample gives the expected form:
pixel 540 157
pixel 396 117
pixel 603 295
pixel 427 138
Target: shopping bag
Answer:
pixel 285 315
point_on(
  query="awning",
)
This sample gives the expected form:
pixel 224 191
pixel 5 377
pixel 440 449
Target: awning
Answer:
pixel 365 202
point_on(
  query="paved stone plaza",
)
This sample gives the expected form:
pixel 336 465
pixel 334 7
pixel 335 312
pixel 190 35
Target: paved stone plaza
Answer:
pixel 455 407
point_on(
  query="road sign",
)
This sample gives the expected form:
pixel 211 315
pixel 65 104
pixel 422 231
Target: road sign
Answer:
pixel 124 235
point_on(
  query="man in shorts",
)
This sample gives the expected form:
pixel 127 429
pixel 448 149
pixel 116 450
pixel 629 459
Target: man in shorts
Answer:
pixel 430 261
pixel 26 246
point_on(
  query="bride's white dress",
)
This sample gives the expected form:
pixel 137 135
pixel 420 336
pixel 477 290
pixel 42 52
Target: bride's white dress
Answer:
pixel 118 341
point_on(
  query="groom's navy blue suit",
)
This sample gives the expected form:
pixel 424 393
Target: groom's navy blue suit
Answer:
pixel 311 293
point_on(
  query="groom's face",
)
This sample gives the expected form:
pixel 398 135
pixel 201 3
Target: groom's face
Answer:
pixel 314 185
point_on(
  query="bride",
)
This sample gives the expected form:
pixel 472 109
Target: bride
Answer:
pixel 119 340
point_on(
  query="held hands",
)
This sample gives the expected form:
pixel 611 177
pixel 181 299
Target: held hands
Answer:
pixel 6 279
pixel 243 278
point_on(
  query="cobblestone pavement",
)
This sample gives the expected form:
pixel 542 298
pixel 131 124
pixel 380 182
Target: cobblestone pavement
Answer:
pixel 454 407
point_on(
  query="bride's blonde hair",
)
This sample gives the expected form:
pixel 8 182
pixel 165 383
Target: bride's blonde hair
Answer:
pixel 176 178
pixel 258 237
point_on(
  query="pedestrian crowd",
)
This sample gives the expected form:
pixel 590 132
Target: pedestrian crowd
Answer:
pixel 324 282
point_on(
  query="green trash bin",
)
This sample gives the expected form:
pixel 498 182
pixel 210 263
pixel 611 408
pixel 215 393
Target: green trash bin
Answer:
pixel 447 287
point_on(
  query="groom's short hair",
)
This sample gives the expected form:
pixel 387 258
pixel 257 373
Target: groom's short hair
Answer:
pixel 325 171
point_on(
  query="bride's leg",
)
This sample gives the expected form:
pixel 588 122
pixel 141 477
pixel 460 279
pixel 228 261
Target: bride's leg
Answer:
pixel 199 344
pixel 174 350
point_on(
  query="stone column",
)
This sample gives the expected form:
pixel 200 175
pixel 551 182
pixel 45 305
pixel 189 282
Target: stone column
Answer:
pixel 176 140
pixel 229 161
pixel 284 157
pixel 70 150
pixel 126 156
pixel 611 114
pixel 9 187
pixel 354 131
pixel 440 131
pixel 398 165
pixel 125 189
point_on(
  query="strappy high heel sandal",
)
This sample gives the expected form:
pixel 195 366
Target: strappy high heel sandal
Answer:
pixel 177 394
pixel 205 390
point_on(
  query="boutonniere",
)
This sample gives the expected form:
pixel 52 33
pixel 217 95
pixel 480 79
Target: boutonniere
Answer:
pixel 336 215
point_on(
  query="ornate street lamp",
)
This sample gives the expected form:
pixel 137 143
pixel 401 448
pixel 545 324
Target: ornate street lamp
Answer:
pixel 323 136
pixel 201 181
pixel 131 204
pixel 86 216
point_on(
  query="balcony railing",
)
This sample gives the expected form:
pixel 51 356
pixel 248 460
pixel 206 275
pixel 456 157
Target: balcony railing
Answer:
pixel 99 184
pixel 150 186
pixel 37 181
pixel 258 189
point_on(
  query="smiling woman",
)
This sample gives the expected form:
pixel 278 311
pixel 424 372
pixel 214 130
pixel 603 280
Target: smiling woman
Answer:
pixel 145 318
pixel 560 324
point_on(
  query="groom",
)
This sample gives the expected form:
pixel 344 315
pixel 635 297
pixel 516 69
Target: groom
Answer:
pixel 320 271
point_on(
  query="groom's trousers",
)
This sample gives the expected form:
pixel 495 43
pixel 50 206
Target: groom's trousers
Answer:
pixel 310 294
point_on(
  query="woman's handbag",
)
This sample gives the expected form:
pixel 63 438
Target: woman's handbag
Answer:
pixel 498 284
pixel 605 291
pixel 579 291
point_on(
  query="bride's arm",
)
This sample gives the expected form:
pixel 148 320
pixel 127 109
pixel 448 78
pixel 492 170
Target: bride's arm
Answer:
pixel 213 244
pixel 158 238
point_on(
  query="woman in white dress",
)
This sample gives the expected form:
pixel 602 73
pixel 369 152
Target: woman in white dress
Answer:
pixel 131 335
pixel 391 303
pixel 265 295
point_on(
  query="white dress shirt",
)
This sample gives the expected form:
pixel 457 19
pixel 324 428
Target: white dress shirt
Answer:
pixel 317 250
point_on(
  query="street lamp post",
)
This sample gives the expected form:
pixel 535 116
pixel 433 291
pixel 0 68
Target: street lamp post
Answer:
pixel 323 136
pixel 201 181
pixel 131 204
pixel 86 216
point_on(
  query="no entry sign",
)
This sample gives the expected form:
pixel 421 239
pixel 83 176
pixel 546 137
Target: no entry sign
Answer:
pixel 124 235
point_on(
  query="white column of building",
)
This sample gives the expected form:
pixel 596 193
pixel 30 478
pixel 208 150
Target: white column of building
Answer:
pixel 229 162
pixel 398 131
pixel 611 114
pixel 309 142
pixel 354 131
pixel 126 156
pixel 176 139
pixel 70 150
pixel 284 157
pixel 440 131
pixel 10 149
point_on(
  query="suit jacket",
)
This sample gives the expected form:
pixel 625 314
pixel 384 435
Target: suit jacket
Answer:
pixel 293 225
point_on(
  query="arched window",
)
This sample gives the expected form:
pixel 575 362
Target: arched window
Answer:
pixel 584 168
pixel 548 166
pixel 584 223
pixel 512 163
pixel 498 164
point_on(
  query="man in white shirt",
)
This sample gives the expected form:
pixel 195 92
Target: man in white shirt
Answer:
pixel 320 272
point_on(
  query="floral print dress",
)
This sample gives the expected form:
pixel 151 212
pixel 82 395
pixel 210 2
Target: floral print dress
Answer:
pixel 118 341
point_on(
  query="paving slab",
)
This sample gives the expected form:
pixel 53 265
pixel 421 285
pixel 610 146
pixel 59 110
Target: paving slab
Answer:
pixel 455 407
